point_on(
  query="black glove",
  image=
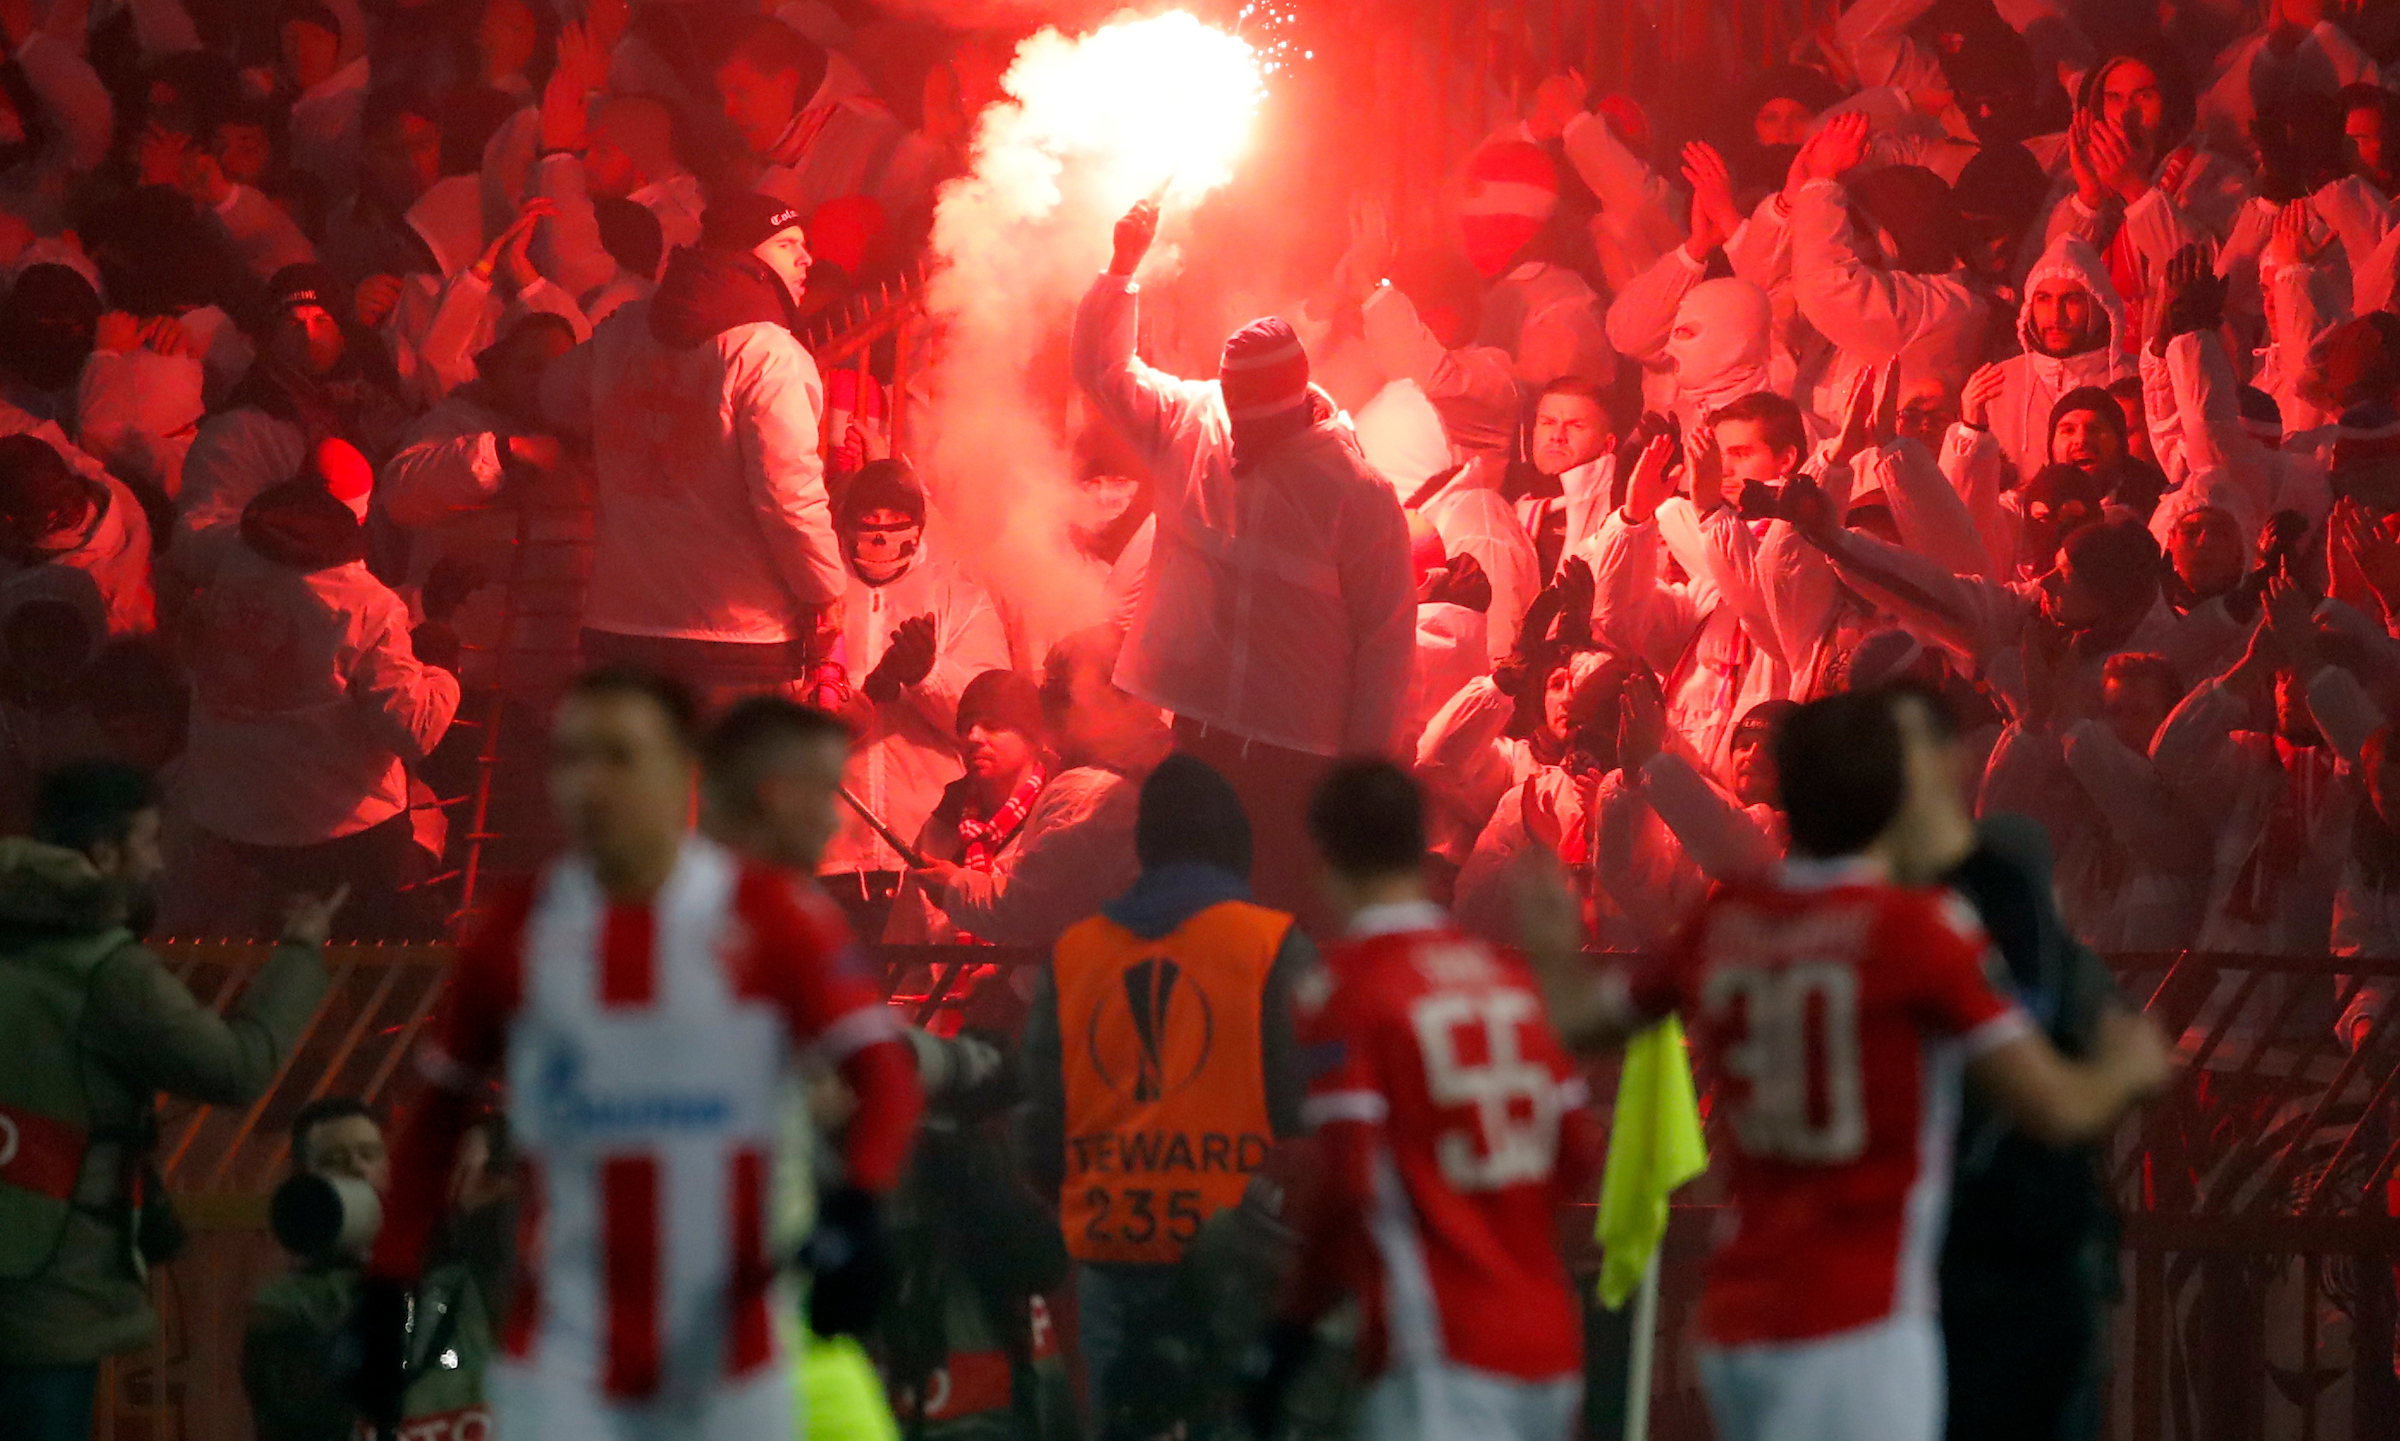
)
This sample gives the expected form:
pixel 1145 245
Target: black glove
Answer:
pixel 1577 588
pixel 850 1261
pixel 1759 501
pixel 374 1348
pixel 436 643
pixel 448 585
pixel 1274 1365
pixel 1461 583
pixel 908 660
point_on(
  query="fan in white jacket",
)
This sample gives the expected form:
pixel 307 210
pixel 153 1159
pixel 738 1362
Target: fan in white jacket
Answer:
pixel 715 550
pixel 1912 305
pixel 67 519
pixel 1278 622
pixel 2073 328
pixel 309 706
pixel 915 631
pixel 2298 53
pixel 2278 804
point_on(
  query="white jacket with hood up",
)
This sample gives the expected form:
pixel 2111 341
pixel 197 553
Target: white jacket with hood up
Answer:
pixel 2020 416
pixel 308 700
pixel 1280 606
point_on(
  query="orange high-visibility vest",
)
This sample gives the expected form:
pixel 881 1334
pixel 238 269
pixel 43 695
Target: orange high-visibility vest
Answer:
pixel 1166 1096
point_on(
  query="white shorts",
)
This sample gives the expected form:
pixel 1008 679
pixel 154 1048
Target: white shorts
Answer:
pixel 1878 1383
pixel 528 1405
pixel 1444 1402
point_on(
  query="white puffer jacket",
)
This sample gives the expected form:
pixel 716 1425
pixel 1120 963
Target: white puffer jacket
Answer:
pixel 308 701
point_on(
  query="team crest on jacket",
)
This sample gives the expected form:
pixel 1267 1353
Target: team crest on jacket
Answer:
pixel 1150 1036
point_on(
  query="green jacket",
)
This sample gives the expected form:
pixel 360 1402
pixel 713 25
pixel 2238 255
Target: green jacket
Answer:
pixel 139 1032
pixel 297 1318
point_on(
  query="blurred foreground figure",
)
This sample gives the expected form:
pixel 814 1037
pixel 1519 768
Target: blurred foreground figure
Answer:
pixel 92 1028
pixel 1279 620
pixel 1844 1004
pixel 644 1000
pixel 1454 1129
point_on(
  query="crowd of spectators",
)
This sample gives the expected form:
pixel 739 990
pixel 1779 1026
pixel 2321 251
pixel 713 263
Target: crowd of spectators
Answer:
pixel 2040 352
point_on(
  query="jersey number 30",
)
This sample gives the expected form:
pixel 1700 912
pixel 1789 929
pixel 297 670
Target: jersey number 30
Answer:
pixel 1474 1057
pixel 1798 1057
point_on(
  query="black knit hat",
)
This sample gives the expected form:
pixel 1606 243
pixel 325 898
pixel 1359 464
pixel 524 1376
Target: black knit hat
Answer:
pixel 1002 700
pixel 306 283
pixel 1189 812
pixel 739 222
pixel 881 485
pixel 2097 401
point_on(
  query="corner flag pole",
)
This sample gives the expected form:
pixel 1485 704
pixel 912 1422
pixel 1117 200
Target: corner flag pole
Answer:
pixel 1645 1353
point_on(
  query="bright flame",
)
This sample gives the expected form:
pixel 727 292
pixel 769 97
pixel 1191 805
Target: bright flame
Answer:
pixel 1160 102
pixel 1157 106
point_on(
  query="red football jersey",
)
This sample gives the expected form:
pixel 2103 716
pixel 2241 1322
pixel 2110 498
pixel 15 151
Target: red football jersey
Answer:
pixel 1840 1011
pixel 1455 1128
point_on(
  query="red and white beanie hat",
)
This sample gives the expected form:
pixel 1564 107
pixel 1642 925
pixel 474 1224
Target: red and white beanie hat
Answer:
pixel 348 477
pixel 1511 190
pixel 1264 372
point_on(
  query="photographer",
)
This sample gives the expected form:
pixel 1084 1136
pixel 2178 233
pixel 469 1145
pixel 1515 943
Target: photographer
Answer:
pixel 95 1026
pixel 290 1350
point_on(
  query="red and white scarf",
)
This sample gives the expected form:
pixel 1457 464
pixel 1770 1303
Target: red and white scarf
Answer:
pixel 985 836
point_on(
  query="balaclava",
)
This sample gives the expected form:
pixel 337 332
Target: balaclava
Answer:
pixel 1264 377
pixel 882 556
pixel 1721 341
pixel 1512 188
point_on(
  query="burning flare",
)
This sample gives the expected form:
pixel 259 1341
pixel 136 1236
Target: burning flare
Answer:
pixel 1161 106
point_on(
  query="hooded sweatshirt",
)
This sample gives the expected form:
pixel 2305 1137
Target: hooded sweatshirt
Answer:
pixel 702 409
pixel 308 700
pixel 2020 416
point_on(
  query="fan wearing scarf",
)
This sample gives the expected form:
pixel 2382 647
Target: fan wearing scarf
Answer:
pixel 1279 625
pixel 980 817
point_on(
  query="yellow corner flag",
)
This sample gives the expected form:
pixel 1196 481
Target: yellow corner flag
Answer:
pixel 1654 1146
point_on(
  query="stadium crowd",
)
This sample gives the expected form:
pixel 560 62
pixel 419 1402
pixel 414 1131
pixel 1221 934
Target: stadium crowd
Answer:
pixel 2038 357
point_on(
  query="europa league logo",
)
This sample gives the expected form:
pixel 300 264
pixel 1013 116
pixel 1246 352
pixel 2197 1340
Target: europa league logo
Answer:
pixel 1168 1049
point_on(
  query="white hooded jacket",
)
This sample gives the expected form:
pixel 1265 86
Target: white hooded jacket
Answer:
pixel 2020 416
pixel 1279 606
pixel 713 519
pixel 308 700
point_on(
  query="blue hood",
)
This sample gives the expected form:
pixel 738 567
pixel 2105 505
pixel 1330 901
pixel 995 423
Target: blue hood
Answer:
pixel 1166 897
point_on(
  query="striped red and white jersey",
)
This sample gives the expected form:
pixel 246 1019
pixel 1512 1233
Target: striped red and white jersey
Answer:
pixel 646 1050
pixel 1842 1011
pixel 1454 1129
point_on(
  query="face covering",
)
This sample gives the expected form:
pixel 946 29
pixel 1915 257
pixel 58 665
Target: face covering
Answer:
pixel 881 554
pixel 1719 345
